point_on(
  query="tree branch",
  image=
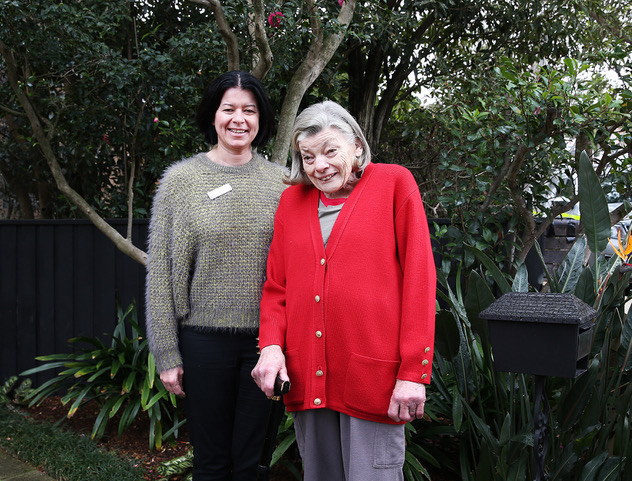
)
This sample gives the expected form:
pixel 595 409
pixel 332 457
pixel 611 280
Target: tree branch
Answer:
pixel 496 184
pixel 528 236
pixel 318 56
pixel 402 72
pixel 45 146
pixel 132 173
pixel 265 53
pixel 232 44
pixel 9 111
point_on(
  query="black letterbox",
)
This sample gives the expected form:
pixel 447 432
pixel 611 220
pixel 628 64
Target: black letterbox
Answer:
pixel 545 334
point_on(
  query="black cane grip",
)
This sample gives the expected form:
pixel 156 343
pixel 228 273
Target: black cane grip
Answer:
pixel 281 387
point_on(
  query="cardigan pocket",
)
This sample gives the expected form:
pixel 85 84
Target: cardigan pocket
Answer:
pixel 369 384
pixel 295 373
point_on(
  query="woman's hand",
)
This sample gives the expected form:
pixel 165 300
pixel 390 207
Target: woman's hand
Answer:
pixel 172 380
pixel 407 401
pixel 271 362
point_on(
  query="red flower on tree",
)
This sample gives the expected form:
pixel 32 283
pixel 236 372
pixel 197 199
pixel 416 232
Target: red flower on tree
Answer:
pixel 274 19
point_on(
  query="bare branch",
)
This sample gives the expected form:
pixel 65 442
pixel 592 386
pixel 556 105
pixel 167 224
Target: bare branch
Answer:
pixel 314 19
pixel 496 184
pixel 9 111
pixel 132 173
pixel 514 187
pixel 402 72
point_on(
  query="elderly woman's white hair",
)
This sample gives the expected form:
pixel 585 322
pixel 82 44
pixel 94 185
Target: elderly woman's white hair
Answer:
pixel 320 117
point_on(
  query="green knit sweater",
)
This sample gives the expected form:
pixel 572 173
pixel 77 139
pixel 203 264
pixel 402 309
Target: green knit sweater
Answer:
pixel 208 246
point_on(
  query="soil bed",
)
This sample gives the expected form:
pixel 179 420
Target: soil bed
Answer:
pixel 134 442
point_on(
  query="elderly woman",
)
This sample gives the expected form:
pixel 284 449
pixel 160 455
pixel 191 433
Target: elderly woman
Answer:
pixel 210 231
pixel 348 307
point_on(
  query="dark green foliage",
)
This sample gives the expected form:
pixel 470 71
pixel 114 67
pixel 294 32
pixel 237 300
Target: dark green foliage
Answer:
pixel 181 466
pixel 492 412
pixel 120 378
pixel 61 454
pixel 14 393
pixel 117 89
pixel 499 148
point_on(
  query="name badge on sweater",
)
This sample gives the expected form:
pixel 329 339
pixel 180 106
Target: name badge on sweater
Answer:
pixel 219 191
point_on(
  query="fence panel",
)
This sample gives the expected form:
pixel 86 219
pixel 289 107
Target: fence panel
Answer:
pixel 58 280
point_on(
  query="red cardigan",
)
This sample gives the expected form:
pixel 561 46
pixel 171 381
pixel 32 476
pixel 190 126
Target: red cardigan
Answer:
pixel 356 316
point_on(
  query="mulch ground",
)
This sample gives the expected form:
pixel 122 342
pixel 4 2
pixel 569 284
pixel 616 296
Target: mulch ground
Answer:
pixel 134 442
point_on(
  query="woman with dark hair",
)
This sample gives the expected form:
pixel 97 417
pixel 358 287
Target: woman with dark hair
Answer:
pixel 348 306
pixel 210 231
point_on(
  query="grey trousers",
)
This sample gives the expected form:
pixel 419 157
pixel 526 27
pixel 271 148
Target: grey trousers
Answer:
pixel 338 447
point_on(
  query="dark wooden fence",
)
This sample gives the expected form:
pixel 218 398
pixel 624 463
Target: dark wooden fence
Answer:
pixel 58 280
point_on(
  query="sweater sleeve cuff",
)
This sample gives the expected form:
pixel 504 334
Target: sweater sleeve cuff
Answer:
pixel 168 360
pixel 418 370
pixel 272 333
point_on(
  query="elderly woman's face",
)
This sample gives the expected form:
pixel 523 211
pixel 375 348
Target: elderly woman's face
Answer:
pixel 328 160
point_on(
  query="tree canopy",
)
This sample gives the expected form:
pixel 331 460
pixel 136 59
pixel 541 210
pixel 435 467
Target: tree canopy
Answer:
pixel 99 97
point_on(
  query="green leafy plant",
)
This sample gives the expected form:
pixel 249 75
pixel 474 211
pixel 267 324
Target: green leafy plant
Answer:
pixel 13 392
pixel 594 412
pixel 504 170
pixel 121 378
pixel 491 412
pixel 181 466
pixel 286 441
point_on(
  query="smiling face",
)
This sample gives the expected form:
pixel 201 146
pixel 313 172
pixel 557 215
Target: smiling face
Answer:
pixel 236 121
pixel 328 161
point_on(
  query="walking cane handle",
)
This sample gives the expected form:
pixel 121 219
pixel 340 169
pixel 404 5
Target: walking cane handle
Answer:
pixel 281 387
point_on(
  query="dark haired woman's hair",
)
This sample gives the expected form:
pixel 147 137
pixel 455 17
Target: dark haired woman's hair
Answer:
pixel 213 96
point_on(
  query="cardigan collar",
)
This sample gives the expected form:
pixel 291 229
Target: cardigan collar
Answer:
pixel 343 216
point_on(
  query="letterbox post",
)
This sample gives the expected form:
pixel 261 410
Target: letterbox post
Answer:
pixel 540 428
pixel 544 334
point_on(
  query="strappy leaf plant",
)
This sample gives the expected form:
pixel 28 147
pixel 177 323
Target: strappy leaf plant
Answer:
pixel 491 413
pixel 121 378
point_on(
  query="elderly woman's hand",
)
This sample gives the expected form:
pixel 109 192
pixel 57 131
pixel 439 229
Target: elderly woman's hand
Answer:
pixel 172 380
pixel 407 401
pixel 271 362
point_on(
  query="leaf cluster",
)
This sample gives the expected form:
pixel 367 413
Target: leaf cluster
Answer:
pixel 492 412
pixel 497 150
pixel 100 78
pixel 120 378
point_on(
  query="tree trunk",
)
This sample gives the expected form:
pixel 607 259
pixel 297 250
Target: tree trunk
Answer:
pixel 45 200
pixel 232 45
pixel 371 115
pixel 124 245
pixel 21 194
pixel 320 53
pixel 364 80
pixel 18 188
pixel 264 56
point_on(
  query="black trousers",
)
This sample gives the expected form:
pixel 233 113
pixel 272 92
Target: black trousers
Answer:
pixel 226 411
